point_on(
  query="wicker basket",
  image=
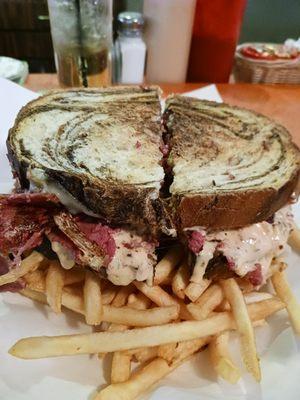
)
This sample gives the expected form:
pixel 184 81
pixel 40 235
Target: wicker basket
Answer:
pixel 258 71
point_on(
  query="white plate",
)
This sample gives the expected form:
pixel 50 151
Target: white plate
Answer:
pixel 77 377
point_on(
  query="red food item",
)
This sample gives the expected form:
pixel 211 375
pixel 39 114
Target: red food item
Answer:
pixel 128 246
pixel 230 263
pixel 21 228
pixel 100 234
pixel 23 220
pixel 4 265
pixel 251 52
pixel 255 277
pixel 13 287
pixel 32 198
pixel 266 54
pixel 196 242
pixel 138 144
pixel 164 148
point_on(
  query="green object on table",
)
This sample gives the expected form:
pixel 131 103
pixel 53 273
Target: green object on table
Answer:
pixel 14 70
pixel 270 21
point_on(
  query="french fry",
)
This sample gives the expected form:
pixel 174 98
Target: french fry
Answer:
pixel 166 266
pixel 40 347
pixel 92 299
pixel 109 294
pixel 117 328
pixel 122 296
pixel 221 360
pixel 285 293
pixel 29 264
pixel 212 297
pixel 254 297
pixel 132 317
pixel 166 351
pixel 245 285
pixel 72 298
pixel 260 322
pixel 162 298
pixel 155 293
pixel 138 301
pixel 74 275
pixel 189 347
pixel 54 285
pixel 144 354
pixel 249 298
pixel 206 303
pixel 127 316
pixel 180 281
pixel 34 295
pixel 294 239
pixel 244 327
pixel 139 382
pixel 36 280
pixel 99 342
pixel 121 367
pixel 113 328
pixel 69 300
pixel 195 290
pixel 223 306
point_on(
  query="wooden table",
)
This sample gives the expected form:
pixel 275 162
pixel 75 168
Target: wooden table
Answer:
pixel 281 102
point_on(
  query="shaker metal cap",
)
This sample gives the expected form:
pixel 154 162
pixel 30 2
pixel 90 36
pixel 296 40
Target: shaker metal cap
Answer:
pixel 130 23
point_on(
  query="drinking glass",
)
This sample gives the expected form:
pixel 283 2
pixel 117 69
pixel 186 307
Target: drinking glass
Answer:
pixel 82 37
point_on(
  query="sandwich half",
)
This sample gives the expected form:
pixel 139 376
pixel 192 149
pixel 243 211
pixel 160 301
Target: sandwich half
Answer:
pixel 98 153
pixel 97 150
pixel 233 174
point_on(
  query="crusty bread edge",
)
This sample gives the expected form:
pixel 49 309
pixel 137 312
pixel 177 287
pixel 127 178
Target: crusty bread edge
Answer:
pixel 209 211
pixel 118 203
pixel 246 207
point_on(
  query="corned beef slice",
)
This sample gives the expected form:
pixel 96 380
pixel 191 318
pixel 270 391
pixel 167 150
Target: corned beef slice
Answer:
pixel 44 200
pixel 26 219
pixel 22 224
pixel 99 234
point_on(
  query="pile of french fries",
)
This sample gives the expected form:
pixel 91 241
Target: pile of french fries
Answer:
pixel 159 327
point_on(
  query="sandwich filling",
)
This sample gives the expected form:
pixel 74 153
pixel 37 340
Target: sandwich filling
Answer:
pixel 246 252
pixel 125 256
pixel 31 220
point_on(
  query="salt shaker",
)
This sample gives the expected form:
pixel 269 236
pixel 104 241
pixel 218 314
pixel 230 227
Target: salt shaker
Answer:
pixel 130 48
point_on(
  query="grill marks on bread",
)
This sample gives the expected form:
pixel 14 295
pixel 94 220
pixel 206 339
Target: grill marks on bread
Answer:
pixel 222 148
pixel 231 167
pixel 95 143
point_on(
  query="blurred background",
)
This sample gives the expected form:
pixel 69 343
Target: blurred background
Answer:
pixel 197 35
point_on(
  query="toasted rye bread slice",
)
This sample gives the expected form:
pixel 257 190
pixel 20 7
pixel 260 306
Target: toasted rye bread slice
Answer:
pixel 231 167
pixel 99 145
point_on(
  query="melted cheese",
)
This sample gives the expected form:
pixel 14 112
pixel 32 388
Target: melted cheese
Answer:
pixel 255 244
pixel 38 179
pixel 65 256
pixel 129 264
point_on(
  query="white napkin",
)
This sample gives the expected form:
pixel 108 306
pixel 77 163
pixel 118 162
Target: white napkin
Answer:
pixel 12 98
pixel 209 92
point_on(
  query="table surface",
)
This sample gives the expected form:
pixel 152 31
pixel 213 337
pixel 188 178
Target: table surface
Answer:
pixel 281 102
